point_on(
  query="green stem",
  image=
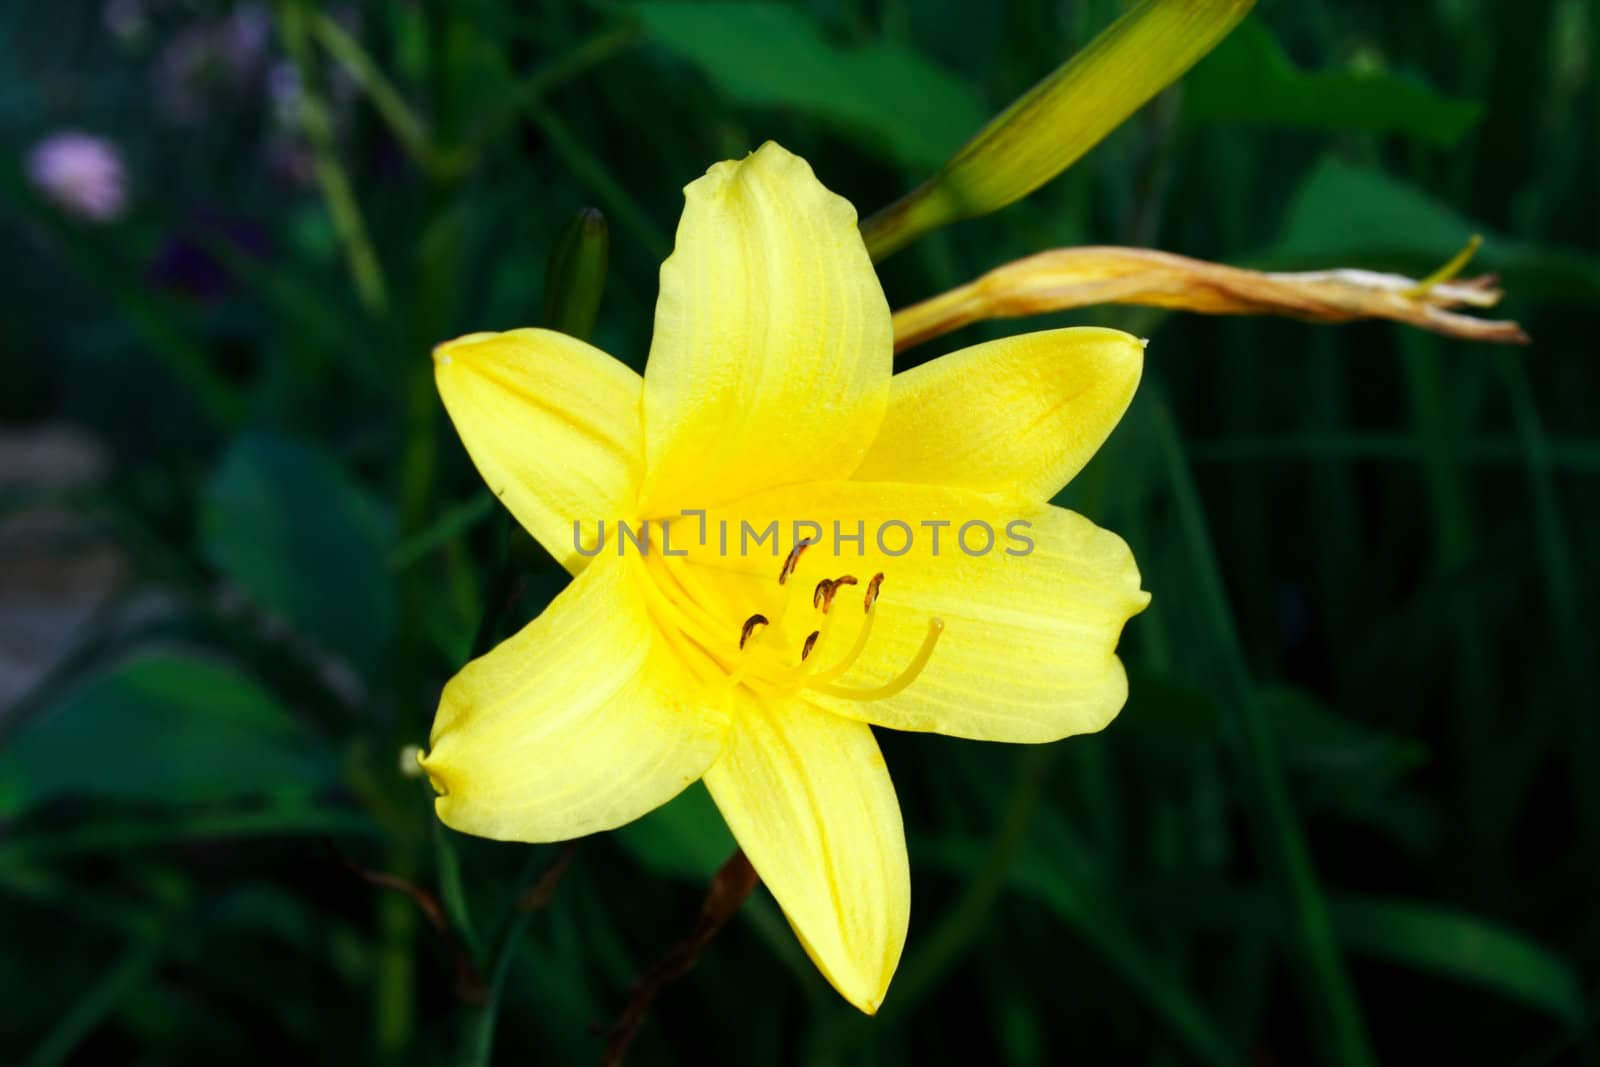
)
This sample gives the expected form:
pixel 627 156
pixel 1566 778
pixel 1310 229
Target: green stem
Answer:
pixel 1455 540
pixel 450 525
pixel 294 19
pixel 396 975
pixel 528 97
pixel 1326 989
pixel 408 127
pixel 965 922
pixel 594 175
pixel 1560 572
pixel 453 892
pixel 481 1025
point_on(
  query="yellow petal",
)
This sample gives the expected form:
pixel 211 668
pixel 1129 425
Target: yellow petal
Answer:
pixel 772 351
pixel 553 426
pixel 1028 648
pixel 1020 415
pixel 578 723
pixel 809 799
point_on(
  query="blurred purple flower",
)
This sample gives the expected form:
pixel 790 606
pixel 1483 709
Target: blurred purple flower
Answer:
pixel 191 263
pixel 83 174
pixel 283 92
pixel 224 57
pixel 125 19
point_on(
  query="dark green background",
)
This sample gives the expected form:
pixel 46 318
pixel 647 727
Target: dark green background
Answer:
pixel 1360 756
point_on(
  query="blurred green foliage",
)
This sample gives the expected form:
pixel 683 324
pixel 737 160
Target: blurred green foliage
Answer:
pixel 1353 802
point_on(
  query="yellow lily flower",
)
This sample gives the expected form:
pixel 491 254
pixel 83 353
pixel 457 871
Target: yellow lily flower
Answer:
pixel 769 409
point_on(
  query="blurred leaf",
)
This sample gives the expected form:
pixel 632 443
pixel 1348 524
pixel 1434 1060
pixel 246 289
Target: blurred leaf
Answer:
pixel 1165 708
pixel 1343 215
pixel 453 522
pixel 685 838
pixel 1347 769
pixel 1249 78
pixel 1058 872
pixel 1461 946
pixel 1335 1012
pixel 1423 936
pixel 893 100
pixel 1316 739
pixel 282 521
pixel 165 728
pixel 134 968
pixel 105 835
pixel 1312 737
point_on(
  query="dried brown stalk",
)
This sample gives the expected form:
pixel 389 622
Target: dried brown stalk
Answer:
pixel 732 884
pixel 1080 277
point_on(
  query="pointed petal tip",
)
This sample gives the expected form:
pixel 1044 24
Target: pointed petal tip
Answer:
pixel 445 352
pixel 431 769
pixel 861 992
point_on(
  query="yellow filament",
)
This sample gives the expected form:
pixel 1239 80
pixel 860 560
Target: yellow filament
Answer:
pixel 678 627
pixel 894 685
pixel 798 674
pixel 705 632
pixel 850 657
pixel 694 592
pixel 692 615
pixel 1456 264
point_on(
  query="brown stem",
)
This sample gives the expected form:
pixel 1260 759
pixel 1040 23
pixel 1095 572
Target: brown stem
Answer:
pixel 539 893
pixel 729 889
pixel 469 983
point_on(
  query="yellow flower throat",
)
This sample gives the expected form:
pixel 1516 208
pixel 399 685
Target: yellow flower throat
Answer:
pixel 704 613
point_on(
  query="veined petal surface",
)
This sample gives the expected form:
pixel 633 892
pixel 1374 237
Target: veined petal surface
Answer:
pixel 553 426
pixel 808 798
pixel 578 723
pixel 1020 415
pixel 773 350
pixel 1030 618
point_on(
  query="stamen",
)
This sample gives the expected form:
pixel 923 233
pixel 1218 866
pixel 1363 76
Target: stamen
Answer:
pixel 850 657
pixel 872 590
pixel 822 596
pixel 750 624
pixel 898 683
pixel 811 642
pixel 793 560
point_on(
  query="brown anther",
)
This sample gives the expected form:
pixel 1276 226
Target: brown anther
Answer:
pixel 872 591
pixel 750 625
pixel 793 561
pixel 822 596
pixel 811 642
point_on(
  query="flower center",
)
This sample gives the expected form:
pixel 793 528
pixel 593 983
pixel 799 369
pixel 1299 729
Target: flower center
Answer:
pixel 776 639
